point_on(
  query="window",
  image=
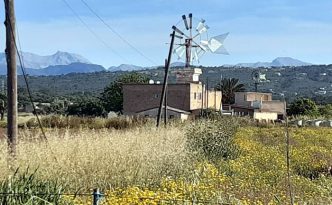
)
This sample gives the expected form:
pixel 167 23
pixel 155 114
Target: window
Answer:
pixel 156 95
pixel 199 96
pixel 171 116
pixel 195 96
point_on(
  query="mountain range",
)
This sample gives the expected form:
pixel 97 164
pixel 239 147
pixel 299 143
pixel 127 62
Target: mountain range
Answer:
pixel 278 62
pixel 63 63
pixel 57 64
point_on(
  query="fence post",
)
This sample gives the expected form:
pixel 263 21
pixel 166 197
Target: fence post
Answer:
pixel 96 196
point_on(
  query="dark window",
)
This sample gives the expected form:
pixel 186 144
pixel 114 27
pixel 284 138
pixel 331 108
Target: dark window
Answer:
pixel 171 116
pixel 199 96
pixel 155 95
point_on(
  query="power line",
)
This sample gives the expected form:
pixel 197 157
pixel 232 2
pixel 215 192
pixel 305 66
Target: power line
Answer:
pixel 117 34
pixel 25 78
pixel 92 32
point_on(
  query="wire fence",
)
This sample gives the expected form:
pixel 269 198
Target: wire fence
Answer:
pixel 97 198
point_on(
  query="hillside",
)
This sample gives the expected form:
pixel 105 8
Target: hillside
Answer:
pixel 291 81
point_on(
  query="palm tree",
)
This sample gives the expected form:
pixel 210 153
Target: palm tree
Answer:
pixel 229 86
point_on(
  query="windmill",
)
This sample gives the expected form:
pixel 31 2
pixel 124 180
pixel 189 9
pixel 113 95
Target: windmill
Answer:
pixel 258 77
pixel 193 42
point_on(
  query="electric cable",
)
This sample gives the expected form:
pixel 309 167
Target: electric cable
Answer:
pixel 25 77
pixel 92 32
pixel 117 33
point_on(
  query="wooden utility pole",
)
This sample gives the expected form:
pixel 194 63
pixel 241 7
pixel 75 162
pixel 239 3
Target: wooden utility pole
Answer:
pixel 163 92
pixel 165 104
pixel 11 76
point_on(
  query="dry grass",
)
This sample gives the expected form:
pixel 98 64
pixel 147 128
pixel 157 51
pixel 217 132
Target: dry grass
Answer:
pixel 103 158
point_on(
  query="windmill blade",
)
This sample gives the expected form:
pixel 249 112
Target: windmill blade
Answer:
pixel 177 36
pixel 216 44
pixel 222 50
pixel 185 21
pixel 204 45
pixel 221 38
pixel 190 21
pixel 177 30
pixel 201 27
pixel 197 54
pixel 180 51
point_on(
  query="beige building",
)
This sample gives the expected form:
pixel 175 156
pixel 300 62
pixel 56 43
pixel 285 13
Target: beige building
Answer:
pixel 258 105
pixel 185 99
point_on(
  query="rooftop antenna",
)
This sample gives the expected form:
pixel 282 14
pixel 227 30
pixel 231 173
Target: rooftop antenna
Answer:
pixel 193 44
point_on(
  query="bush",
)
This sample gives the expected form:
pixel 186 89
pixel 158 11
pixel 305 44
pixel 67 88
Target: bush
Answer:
pixel 213 139
pixel 26 187
pixel 58 121
pixel 303 106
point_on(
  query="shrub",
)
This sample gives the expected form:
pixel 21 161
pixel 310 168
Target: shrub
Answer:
pixel 303 106
pixel 25 187
pixel 213 139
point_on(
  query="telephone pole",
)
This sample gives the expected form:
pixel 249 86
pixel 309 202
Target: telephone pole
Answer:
pixel 164 89
pixel 11 76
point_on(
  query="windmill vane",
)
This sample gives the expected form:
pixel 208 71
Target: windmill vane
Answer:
pixel 196 41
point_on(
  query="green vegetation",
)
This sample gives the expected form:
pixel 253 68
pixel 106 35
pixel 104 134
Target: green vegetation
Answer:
pixel 303 106
pixel 294 82
pixel 229 86
pixel 32 190
pixel 223 160
pixel 213 139
pixel 326 110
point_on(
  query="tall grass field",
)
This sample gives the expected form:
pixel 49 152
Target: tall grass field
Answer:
pixel 216 161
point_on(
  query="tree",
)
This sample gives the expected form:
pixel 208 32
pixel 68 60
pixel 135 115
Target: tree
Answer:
pixel 86 108
pixel 112 96
pixel 326 110
pixel 303 106
pixel 229 86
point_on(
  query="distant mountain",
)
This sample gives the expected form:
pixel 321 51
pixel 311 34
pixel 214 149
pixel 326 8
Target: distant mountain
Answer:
pixel 278 62
pixel 287 61
pixel 58 69
pixel 125 67
pixel 56 64
pixel 178 64
pixel 65 69
pixel 34 61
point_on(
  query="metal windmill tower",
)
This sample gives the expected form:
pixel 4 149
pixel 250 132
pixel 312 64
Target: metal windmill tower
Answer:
pixel 192 43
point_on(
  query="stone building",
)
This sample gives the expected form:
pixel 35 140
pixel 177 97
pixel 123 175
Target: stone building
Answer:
pixel 258 105
pixel 186 97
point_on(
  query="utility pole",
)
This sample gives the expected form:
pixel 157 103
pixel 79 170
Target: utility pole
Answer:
pixel 207 93
pixel 11 76
pixel 163 92
pixel 165 104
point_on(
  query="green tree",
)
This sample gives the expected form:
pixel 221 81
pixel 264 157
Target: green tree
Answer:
pixel 303 106
pixel 326 110
pixel 229 86
pixel 86 108
pixel 112 96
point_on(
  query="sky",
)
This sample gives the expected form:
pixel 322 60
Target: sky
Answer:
pixel 260 30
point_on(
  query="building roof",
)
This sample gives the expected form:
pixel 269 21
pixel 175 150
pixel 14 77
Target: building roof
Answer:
pixel 249 92
pixel 161 84
pixel 168 108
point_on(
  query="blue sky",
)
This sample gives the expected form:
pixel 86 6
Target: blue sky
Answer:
pixel 260 30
